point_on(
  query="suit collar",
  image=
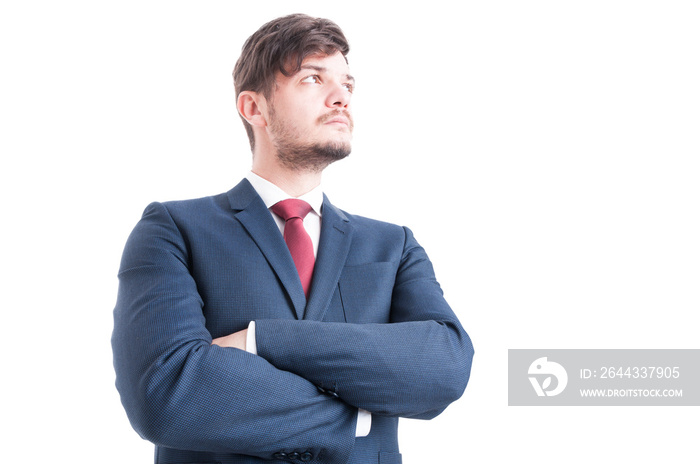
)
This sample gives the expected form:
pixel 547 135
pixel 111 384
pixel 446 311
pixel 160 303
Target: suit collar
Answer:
pixel 334 245
pixel 252 213
pixel 242 195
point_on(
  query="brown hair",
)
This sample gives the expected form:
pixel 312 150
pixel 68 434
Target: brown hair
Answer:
pixel 282 45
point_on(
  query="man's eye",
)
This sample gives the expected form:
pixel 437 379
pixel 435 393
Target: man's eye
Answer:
pixel 349 87
pixel 312 79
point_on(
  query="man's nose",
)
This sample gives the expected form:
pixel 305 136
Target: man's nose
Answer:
pixel 338 97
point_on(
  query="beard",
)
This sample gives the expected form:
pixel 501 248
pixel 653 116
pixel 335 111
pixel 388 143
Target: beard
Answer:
pixel 300 156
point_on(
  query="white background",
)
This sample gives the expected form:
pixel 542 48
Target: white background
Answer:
pixel 550 149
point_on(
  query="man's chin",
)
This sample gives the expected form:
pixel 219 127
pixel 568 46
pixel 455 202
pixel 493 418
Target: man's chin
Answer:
pixel 324 155
pixel 335 151
pixel 315 157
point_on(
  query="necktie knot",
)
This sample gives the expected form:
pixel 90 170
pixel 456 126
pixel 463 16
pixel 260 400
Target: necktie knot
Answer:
pixel 291 208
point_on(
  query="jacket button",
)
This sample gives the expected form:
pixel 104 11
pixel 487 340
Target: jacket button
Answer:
pixel 306 457
pixel 328 392
pixel 280 456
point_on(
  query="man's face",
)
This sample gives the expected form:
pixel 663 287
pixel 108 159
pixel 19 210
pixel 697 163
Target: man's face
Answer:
pixel 310 123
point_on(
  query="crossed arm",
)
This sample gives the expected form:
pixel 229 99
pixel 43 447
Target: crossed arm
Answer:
pixel 182 390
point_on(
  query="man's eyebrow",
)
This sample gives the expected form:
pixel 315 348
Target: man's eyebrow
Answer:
pixel 323 69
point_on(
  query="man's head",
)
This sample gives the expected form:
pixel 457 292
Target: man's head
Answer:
pixel 293 74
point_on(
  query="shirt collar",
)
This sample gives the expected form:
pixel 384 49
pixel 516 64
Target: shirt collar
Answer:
pixel 271 194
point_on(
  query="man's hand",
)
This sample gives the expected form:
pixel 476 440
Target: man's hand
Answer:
pixel 235 340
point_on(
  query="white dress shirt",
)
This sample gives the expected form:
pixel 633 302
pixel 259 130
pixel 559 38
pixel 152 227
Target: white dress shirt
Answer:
pixel 272 194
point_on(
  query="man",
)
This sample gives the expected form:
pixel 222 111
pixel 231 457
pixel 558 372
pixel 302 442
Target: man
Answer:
pixel 243 335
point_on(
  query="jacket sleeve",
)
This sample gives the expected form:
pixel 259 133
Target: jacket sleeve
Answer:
pixel 179 391
pixel 413 366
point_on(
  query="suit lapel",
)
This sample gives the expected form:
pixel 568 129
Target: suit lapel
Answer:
pixel 333 248
pixel 258 221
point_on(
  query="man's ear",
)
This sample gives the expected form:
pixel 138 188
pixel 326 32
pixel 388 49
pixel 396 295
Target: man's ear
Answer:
pixel 252 107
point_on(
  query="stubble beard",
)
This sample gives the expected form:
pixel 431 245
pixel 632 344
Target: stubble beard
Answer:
pixel 297 156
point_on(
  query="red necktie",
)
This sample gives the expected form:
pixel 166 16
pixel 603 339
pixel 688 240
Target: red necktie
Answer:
pixel 298 241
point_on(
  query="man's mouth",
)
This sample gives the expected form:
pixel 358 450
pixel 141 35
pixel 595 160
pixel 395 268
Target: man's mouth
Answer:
pixel 337 117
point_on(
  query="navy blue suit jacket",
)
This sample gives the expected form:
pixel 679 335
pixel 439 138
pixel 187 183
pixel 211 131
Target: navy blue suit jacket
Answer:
pixel 375 334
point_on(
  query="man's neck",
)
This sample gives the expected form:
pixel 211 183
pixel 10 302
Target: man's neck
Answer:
pixel 294 183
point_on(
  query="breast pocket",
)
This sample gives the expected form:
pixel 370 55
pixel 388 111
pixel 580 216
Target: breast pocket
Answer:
pixel 365 292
